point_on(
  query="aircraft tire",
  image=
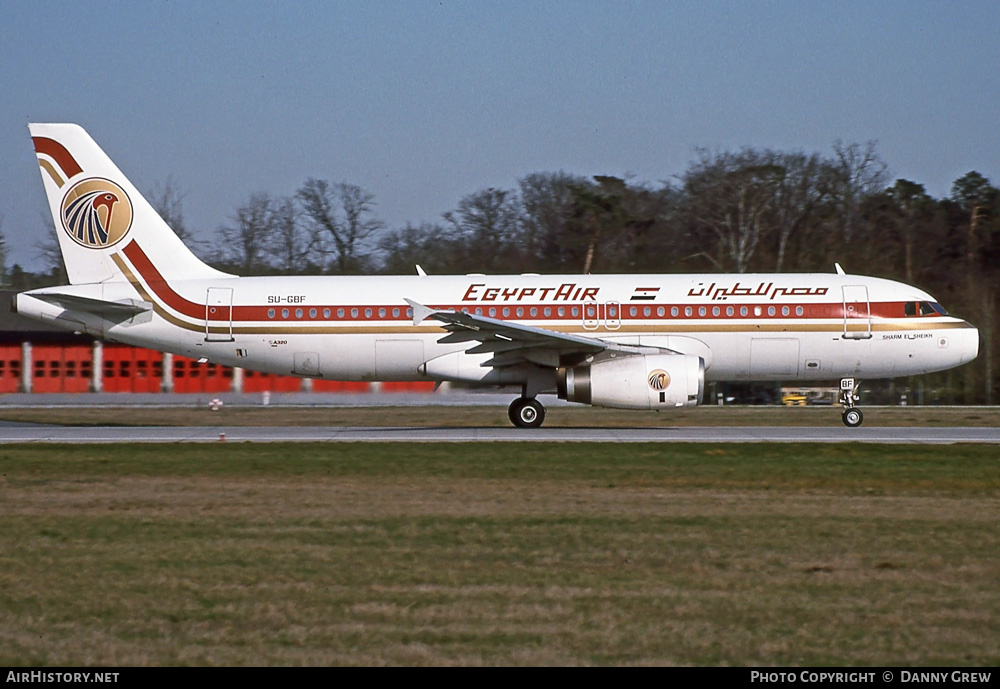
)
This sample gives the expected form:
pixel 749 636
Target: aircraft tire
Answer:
pixel 526 413
pixel 853 417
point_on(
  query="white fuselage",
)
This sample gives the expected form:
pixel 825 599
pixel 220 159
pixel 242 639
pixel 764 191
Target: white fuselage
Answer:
pixel 745 327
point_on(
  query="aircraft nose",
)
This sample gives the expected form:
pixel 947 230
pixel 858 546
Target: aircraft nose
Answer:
pixel 968 343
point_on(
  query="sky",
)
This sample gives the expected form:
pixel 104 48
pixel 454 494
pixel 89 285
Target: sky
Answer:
pixel 422 103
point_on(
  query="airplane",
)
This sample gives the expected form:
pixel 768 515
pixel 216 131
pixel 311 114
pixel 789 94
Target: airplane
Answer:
pixel 616 341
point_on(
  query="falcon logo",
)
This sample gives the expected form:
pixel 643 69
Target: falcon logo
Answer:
pixel 659 379
pixel 96 213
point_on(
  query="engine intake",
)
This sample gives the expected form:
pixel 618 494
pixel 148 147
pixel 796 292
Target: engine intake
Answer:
pixel 655 381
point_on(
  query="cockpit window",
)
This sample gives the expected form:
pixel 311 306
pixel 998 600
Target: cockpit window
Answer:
pixel 923 308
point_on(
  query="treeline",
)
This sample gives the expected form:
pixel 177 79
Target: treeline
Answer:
pixel 730 211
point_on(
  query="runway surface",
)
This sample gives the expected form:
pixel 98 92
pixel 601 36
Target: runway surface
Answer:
pixel 38 433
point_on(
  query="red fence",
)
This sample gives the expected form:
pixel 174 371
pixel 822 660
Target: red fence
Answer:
pixel 70 368
pixel 10 368
pixel 130 369
pixel 255 381
pixel 61 368
pixel 190 376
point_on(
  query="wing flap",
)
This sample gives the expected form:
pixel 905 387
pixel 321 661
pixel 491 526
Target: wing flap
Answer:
pixel 514 343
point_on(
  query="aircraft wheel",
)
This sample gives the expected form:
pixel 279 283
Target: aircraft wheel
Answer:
pixel 526 413
pixel 853 417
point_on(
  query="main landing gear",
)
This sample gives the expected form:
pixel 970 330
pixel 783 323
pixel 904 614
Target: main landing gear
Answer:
pixel 526 412
pixel 852 416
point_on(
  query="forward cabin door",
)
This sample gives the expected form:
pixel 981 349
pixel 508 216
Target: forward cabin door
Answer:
pixel 857 313
pixel 219 314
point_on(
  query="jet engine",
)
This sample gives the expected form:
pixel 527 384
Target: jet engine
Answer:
pixel 652 381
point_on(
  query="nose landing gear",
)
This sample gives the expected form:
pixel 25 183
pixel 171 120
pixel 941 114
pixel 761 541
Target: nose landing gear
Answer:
pixel 852 416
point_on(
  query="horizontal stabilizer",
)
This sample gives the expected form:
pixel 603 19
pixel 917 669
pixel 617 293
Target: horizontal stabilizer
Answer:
pixel 112 310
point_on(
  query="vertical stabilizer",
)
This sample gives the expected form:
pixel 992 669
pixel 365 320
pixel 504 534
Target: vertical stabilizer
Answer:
pixel 97 212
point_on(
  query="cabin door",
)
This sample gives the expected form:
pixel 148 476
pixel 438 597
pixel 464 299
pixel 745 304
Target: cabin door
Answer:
pixel 857 313
pixel 219 314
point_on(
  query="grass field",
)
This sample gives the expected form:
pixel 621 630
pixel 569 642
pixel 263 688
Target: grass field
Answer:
pixel 499 554
pixel 574 416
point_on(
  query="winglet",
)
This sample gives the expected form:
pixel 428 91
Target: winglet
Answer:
pixel 420 312
pixel 420 271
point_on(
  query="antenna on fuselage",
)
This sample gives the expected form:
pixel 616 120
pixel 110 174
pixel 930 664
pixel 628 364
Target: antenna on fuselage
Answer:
pixel 840 271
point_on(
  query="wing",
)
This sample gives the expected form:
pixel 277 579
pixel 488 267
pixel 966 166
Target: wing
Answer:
pixel 514 343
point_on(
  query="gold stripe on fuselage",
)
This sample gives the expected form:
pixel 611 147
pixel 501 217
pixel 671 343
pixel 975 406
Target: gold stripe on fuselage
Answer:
pixel 666 329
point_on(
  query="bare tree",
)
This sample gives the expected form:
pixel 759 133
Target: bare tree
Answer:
pixel 914 208
pixel 427 245
pixel 546 206
pixel 289 246
pixel 858 172
pixel 47 249
pixel 168 201
pixel 731 197
pixel 798 193
pixel 4 276
pixel 340 220
pixel 246 239
pixel 486 223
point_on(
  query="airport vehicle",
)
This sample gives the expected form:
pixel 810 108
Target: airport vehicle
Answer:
pixel 620 341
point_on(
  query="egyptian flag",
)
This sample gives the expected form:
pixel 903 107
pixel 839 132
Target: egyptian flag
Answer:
pixel 644 294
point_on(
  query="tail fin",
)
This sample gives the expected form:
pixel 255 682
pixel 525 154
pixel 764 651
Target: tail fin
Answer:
pixel 97 212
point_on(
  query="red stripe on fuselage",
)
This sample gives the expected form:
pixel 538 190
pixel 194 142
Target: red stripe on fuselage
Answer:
pixel 58 153
pixel 160 287
pixel 260 314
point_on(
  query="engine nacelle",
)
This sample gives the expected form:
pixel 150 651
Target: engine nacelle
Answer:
pixel 655 381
